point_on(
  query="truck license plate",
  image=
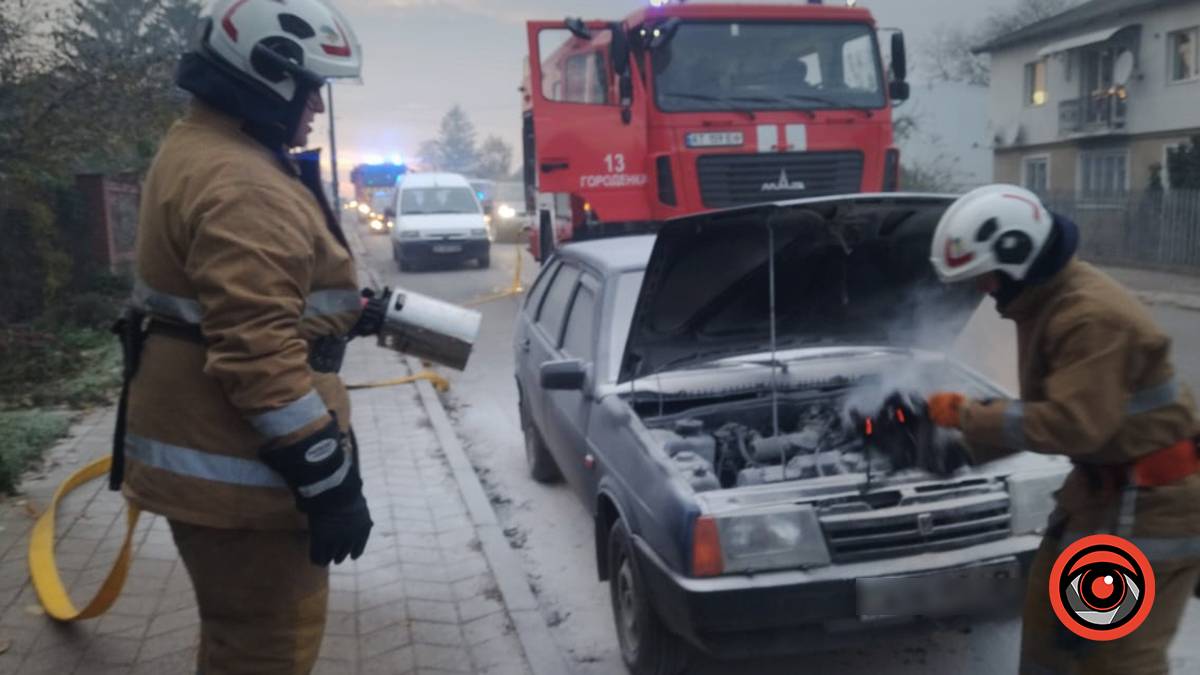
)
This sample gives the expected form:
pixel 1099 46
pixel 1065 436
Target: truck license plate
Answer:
pixel 956 591
pixel 447 248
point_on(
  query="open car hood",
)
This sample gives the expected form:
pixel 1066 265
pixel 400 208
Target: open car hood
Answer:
pixel 849 270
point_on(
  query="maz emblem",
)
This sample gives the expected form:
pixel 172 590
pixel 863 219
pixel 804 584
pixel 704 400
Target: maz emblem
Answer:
pixel 783 184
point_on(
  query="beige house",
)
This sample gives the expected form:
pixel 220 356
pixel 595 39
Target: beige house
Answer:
pixel 1087 102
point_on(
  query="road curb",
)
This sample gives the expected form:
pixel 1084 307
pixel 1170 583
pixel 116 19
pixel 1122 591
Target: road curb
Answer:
pixel 543 653
pixel 1186 301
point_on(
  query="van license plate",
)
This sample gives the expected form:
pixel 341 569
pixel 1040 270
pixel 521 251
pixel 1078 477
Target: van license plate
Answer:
pixel 447 248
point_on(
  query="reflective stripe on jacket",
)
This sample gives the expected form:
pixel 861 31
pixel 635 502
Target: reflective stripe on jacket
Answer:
pixel 229 240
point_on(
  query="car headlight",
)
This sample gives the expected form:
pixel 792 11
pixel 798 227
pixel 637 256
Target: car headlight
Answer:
pixel 1032 497
pixel 761 539
pixel 506 212
pixel 410 234
pixel 364 209
pixel 479 232
pixel 487 218
pixel 377 225
pixel 391 224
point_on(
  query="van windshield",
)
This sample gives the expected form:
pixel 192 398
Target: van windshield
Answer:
pixel 722 65
pixel 425 201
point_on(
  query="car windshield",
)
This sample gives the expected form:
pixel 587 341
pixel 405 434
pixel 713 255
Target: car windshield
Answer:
pixel 628 286
pixel 419 201
pixel 768 66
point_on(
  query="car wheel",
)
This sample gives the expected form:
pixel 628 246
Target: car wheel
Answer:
pixel 542 467
pixel 647 647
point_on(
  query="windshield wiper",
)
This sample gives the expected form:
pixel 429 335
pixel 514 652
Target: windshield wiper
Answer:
pixel 709 99
pixel 831 102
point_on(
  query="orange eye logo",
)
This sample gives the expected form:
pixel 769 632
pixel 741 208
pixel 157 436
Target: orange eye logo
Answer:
pixel 1102 587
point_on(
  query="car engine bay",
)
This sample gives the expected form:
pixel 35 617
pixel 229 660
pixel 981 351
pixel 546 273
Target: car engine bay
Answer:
pixel 735 444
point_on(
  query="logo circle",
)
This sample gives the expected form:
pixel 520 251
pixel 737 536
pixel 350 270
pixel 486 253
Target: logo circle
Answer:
pixel 1102 587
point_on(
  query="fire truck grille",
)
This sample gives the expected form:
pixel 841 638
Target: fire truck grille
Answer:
pixel 732 180
pixel 957 523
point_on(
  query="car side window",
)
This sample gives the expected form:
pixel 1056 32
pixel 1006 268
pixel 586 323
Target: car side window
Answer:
pixel 579 340
pixel 534 297
pixel 554 306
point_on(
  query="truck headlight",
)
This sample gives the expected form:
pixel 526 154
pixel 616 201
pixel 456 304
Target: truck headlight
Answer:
pixel 479 232
pixel 506 212
pixel 777 537
pixel 1032 497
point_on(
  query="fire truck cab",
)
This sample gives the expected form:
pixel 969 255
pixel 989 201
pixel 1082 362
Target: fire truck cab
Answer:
pixel 684 108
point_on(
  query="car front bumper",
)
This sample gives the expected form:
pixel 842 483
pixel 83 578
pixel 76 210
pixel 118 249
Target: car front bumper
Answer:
pixel 798 611
pixel 443 249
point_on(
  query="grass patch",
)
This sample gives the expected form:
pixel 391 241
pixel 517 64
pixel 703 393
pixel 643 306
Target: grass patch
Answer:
pixel 27 434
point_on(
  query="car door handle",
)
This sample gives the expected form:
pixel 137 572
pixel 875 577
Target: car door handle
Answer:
pixel 523 345
pixel 550 167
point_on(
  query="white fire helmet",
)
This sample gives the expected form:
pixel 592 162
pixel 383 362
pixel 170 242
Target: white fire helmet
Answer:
pixel 995 228
pixel 313 36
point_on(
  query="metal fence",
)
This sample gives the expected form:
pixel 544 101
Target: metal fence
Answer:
pixel 1140 229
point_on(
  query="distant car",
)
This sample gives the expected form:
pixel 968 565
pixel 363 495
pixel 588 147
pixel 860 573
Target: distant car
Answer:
pixel 438 218
pixel 738 506
pixel 510 217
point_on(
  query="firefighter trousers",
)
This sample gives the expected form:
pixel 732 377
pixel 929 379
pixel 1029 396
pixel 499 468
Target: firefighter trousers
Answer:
pixel 262 603
pixel 1048 648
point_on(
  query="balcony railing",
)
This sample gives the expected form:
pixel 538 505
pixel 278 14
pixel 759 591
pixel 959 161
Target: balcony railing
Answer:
pixel 1096 114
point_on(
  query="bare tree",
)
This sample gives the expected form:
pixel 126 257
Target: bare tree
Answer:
pixel 949 56
pixel 495 159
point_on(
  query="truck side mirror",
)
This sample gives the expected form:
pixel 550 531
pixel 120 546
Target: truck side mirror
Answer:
pixel 899 90
pixel 899 58
pixel 566 375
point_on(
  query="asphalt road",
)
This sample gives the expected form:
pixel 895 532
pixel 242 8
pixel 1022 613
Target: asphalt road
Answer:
pixel 553 531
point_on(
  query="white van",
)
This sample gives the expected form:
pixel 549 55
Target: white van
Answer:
pixel 438 217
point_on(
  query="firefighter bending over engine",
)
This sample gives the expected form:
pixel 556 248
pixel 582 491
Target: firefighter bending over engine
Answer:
pixel 1098 386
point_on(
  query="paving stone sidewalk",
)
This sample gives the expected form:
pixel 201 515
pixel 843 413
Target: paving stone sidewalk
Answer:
pixel 423 598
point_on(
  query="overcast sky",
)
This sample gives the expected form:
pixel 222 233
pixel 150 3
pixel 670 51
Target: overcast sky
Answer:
pixel 422 56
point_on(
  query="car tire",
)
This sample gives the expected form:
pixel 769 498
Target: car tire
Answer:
pixel 542 467
pixel 647 646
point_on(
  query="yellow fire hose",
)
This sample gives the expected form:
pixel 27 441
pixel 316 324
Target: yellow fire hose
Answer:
pixel 43 568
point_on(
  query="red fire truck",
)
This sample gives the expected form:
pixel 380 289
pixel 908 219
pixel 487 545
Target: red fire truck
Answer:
pixel 682 108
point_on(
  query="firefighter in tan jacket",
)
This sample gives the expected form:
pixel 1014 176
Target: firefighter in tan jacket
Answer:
pixel 1097 385
pixel 237 423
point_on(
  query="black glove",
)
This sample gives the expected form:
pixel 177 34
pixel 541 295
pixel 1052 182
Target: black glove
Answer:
pixel 944 453
pixel 370 322
pixel 328 489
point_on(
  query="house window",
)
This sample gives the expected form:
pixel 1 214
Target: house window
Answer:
pixel 1182 55
pixel 1035 83
pixel 1103 173
pixel 1035 174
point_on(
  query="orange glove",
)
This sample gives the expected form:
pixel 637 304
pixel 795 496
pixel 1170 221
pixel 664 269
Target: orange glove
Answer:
pixel 944 409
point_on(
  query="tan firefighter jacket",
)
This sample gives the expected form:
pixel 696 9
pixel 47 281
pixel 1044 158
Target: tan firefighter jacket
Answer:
pixel 231 241
pixel 1097 385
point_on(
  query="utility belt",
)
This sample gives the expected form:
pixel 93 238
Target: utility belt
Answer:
pixel 325 355
pixel 1162 467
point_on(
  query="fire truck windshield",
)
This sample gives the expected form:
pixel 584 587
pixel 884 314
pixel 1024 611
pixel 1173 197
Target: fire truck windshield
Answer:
pixel 712 66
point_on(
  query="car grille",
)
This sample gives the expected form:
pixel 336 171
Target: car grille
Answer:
pixel 867 534
pixel 731 180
